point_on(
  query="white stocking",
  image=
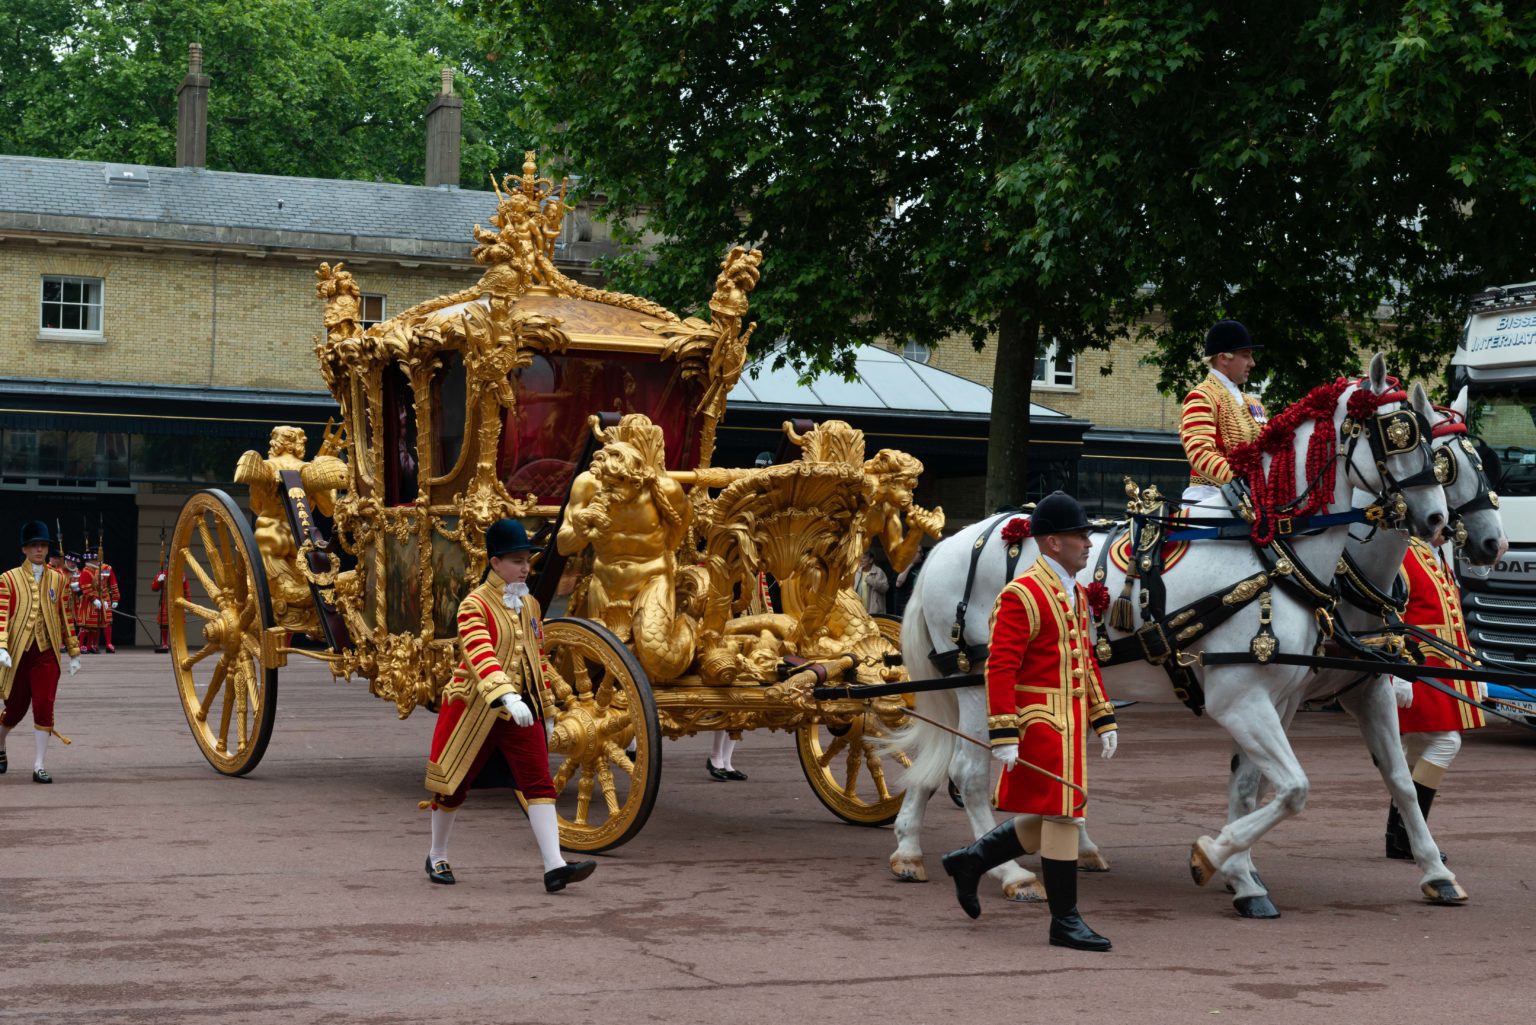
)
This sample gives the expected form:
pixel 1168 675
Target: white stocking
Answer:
pixel 442 822
pixel 5 731
pixel 720 756
pixel 546 830
pixel 42 744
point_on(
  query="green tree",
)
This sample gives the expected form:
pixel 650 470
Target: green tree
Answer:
pixel 313 88
pixel 1011 171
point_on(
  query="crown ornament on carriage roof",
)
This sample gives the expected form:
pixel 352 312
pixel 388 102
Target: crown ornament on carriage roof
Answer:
pixel 529 205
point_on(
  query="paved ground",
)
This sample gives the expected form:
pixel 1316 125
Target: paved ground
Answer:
pixel 143 887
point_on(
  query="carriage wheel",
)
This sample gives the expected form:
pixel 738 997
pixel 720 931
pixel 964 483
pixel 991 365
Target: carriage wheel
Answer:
pixel 844 766
pixel 229 697
pixel 605 794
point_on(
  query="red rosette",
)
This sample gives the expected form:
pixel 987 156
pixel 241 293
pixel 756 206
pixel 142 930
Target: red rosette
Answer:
pixel 1098 599
pixel 1016 530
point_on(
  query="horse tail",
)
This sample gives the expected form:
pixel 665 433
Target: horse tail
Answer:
pixel 929 747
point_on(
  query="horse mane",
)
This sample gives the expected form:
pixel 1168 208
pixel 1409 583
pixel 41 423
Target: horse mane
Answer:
pixel 1276 491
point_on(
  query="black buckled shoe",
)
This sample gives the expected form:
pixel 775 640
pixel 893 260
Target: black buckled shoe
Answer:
pixel 439 872
pixel 5 763
pixel 1070 930
pixel 556 879
pixel 41 776
pixel 714 773
pixel 735 774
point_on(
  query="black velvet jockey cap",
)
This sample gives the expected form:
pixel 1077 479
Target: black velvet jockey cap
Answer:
pixel 1058 513
pixel 505 537
pixel 35 531
pixel 1228 336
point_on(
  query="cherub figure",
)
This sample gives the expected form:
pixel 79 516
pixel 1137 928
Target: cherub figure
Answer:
pixel 892 477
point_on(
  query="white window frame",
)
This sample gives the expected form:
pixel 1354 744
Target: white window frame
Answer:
pixel 917 352
pixel 98 292
pixel 1053 379
pixel 362 306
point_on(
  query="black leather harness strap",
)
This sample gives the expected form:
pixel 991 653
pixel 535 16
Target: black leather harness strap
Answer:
pixel 964 656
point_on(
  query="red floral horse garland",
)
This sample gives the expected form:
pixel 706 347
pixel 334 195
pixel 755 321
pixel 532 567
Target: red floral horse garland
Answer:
pixel 1277 490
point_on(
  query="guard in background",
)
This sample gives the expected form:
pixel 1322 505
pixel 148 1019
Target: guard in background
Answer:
pixel 98 597
pixel 36 626
pixel 1218 415
pixel 160 585
pixel 1043 693
pixel 1431 721
pixel 499 702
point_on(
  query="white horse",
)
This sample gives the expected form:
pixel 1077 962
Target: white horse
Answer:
pixel 1251 702
pixel 1378 556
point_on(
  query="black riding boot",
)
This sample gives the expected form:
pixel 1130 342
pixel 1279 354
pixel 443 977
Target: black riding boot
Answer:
pixel 967 865
pixel 1398 847
pixel 1067 926
pixel 1397 833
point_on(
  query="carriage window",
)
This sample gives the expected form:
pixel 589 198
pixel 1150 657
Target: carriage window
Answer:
pixel 449 400
pixel 400 469
pixel 543 436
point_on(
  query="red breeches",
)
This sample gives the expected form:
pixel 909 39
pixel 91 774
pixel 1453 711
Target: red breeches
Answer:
pixel 527 757
pixel 36 684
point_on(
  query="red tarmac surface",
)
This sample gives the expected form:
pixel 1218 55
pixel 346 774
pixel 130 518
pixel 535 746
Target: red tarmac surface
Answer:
pixel 144 887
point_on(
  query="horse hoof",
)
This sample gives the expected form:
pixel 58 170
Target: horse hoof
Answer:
pixel 1024 893
pixel 1092 861
pixel 1202 867
pixel 909 870
pixel 1444 891
pixel 1256 907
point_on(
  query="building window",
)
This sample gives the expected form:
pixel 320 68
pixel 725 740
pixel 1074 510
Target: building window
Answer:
pixel 917 352
pixel 372 310
pixel 70 306
pixel 1054 370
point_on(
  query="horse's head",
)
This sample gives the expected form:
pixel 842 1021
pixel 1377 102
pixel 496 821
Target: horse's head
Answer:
pixel 1395 463
pixel 1475 523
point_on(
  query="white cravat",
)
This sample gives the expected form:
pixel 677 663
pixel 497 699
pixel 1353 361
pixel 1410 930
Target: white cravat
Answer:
pixel 37 571
pixel 1068 582
pixel 1237 393
pixel 512 596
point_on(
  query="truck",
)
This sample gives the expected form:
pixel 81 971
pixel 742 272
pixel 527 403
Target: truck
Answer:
pixel 1496 362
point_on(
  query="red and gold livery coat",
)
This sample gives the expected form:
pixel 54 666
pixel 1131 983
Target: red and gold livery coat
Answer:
pixel 97 583
pixel 34 613
pixel 1434 604
pixel 1043 692
pixel 502 653
pixel 1212 425
pixel 159 585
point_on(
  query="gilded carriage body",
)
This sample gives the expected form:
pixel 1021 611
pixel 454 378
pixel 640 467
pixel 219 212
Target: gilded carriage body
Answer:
pixel 592 416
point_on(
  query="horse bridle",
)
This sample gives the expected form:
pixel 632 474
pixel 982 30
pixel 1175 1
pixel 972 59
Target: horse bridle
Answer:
pixel 1395 434
pixel 1484 497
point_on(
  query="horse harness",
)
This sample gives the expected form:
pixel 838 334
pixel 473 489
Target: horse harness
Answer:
pixel 1163 636
pixel 966 655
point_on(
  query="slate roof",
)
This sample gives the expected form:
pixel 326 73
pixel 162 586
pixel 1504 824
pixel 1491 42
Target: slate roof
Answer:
pixel 186 204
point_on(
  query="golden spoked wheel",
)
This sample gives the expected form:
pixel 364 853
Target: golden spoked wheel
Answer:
pixel 229 698
pixel 605 794
pixel 845 768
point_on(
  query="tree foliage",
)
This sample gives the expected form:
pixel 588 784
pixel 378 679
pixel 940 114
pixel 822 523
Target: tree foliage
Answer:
pixel 312 88
pixel 1335 174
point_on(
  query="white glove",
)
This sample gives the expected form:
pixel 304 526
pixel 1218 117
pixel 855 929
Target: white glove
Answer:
pixel 74 666
pixel 1008 754
pixel 1110 742
pixel 160 579
pixel 1402 690
pixel 114 605
pixel 96 602
pixel 5 658
pixel 1482 691
pixel 74 585
pixel 522 715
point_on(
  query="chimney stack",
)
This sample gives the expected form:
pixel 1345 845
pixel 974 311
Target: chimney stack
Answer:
pixel 444 118
pixel 192 112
